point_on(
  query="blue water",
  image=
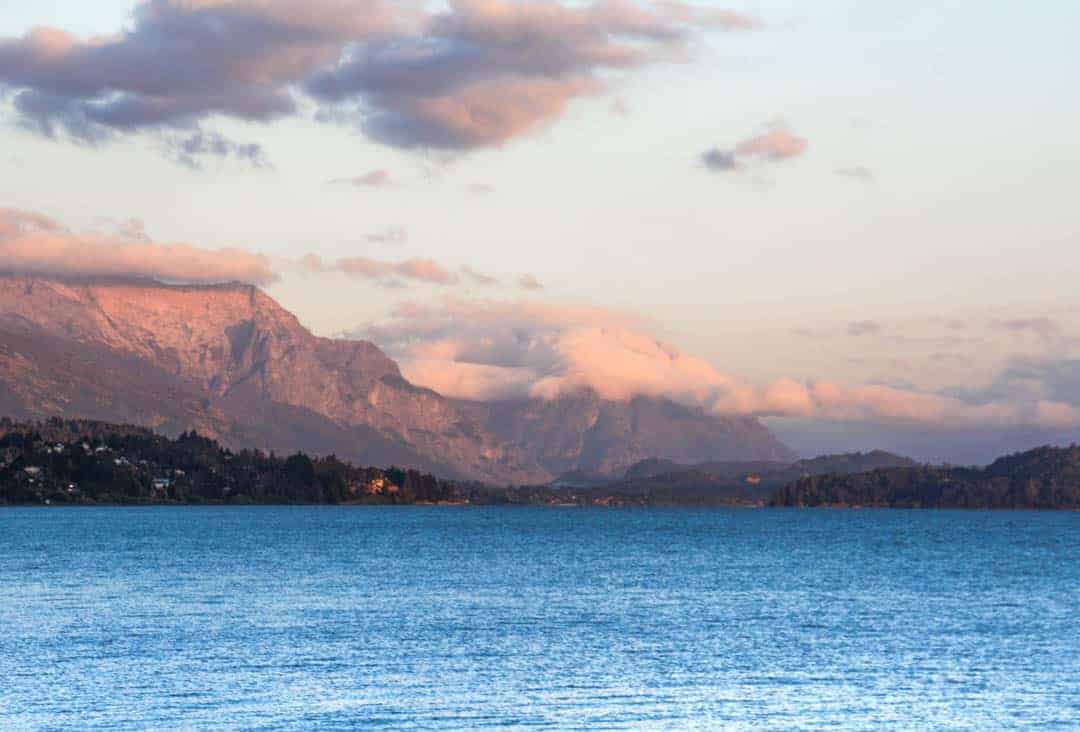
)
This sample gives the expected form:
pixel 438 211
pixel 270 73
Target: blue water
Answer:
pixel 466 618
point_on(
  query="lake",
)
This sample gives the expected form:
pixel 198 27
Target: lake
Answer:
pixel 502 618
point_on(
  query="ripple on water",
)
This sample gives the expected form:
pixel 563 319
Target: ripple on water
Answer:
pixel 497 618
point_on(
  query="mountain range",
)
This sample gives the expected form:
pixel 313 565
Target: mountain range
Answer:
pixel 232 364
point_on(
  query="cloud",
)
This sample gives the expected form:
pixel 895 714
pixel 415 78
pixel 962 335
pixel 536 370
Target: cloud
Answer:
pixel 962 359
pixel 529 282
pixel 1042 327
pixel 718 160
pixel 34 244
pixel 392 235
pixel 133 228
pixel 953 324
pixel 858 172
pixel 713 17
pixel 190 150
pixel 181 62
pixel 498 350
pixel 478 278
pixel 486 71
pixel 373 179
pixel 864 327
pixel 471 74
pixel 417 269
pixel 776 144
pixel 393 273
pixel 1047 380
pixel 485 349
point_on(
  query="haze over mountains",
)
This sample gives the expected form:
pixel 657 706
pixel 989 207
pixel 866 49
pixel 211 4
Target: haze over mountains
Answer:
pixel 228 361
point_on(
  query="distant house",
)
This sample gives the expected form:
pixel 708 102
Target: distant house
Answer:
pixel 379 487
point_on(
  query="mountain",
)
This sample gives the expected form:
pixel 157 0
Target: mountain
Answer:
pixel 229 362
pixel 582 432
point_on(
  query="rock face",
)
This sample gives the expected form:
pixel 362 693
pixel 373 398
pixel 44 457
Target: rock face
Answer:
pixel 230 362
pixel 584 432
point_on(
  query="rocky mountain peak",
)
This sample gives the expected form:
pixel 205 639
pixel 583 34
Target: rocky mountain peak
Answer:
pixel 229 360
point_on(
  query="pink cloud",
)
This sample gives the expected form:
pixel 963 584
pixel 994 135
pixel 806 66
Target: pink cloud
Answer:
pixel 484 72
pixel 425 270
pixel 373 178
pixel 776 144
pixel 711 17
pixel 485 113
pixel 418 269
pixel 529 282
pixel 493 350
pixel 34 244
pixel 468 74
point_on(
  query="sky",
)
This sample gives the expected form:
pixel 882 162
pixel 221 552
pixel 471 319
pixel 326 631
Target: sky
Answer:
pixel 874 197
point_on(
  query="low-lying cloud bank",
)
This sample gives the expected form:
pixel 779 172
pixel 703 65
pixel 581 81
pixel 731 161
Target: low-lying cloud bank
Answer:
pixel 495 350
pixel 472 74
pixel 31 243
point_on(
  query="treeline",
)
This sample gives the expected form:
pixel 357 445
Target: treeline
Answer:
pixel 1044 478
pixel 77 461
pixel 85 462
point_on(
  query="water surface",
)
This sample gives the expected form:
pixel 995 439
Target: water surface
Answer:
pixel 466 618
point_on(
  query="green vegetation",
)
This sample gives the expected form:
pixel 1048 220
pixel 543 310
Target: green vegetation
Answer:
pixel 83 462
pixel 1044 478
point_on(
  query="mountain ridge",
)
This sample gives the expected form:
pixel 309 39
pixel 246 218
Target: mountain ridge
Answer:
pixel 229 361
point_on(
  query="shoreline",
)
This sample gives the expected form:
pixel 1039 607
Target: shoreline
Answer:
pixel 552 506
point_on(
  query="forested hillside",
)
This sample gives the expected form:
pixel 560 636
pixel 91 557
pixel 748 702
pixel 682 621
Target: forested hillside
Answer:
pixel 76 461
pixel 1047 477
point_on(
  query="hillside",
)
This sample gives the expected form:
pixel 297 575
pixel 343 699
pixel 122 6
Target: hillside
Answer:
pixel 83 462
pixel 86 462
pixel 229 362
pixel 1047 477
pixel 739 481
